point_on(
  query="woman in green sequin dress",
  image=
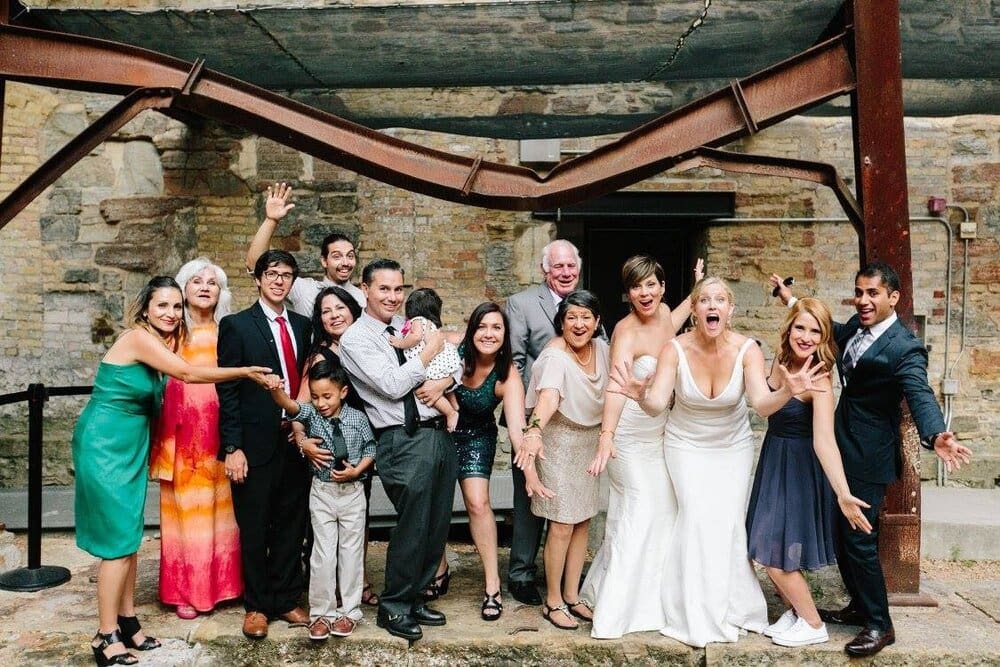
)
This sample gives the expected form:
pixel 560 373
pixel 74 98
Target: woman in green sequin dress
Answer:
pixel 488 379
pixel 111 452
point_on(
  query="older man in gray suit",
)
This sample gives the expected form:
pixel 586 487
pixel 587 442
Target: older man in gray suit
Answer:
pixel 530 314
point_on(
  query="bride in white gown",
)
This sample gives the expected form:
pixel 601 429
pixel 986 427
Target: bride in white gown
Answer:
pixel 624 580
pixel 709 589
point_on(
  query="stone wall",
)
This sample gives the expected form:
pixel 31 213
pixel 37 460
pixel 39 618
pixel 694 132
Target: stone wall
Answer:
pixel 160 193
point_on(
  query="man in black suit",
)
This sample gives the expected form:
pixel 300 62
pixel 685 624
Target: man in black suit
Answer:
pixel 269 477
pixel 880 363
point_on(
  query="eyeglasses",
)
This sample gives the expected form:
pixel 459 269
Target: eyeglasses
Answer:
pixel 273 275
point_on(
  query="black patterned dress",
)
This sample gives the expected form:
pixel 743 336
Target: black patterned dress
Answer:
pixel 476 434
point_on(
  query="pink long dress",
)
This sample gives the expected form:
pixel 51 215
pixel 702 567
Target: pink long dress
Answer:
pixel 199 538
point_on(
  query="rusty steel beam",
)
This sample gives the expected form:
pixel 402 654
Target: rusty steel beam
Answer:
pixel 880 171
pixel 78 148
pixel 789 87
pixel 767 165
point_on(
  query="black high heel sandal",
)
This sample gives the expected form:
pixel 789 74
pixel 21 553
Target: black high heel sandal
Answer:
pixel 130 626
pixel 102 659
pixel 439 585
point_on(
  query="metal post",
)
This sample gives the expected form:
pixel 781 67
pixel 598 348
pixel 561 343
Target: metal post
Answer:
pixel 36 576
pixel 880 170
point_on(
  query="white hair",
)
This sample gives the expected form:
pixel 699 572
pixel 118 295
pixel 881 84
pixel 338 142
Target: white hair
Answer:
pixel 193 268
pixel 551 246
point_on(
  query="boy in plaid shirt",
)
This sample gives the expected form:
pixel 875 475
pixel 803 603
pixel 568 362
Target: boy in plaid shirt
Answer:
pixel 336 499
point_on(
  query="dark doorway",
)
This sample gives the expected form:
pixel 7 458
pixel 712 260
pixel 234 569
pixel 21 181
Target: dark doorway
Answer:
pixel 666 225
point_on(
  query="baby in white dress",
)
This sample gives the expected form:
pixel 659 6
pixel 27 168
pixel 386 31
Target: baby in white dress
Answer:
pixel 423 313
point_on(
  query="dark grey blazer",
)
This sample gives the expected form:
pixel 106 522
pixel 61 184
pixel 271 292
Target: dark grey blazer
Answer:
pixel 530 314
pixel 868 415
pixel 248 416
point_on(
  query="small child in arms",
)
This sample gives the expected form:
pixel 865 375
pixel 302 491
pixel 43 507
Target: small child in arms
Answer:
pixel 423 313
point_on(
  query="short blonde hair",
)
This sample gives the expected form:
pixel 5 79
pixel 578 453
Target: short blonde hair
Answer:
pixel 193 268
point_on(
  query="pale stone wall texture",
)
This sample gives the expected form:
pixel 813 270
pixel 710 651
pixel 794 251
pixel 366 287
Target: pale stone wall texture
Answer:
pixel 160 193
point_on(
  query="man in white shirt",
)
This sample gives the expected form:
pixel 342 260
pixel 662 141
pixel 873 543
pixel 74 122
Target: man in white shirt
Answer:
pixel 338 255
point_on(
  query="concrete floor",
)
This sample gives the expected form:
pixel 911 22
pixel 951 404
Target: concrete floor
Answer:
pixel 53 627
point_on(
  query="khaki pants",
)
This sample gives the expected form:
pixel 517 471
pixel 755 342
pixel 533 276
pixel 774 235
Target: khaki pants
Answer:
pixel 338 523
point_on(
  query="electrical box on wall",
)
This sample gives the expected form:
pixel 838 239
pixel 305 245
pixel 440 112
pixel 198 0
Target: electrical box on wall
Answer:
pixel 967 230
pixel 539 151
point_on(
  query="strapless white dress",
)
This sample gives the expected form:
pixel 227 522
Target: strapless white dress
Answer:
pixel 625 580
pixel 710 591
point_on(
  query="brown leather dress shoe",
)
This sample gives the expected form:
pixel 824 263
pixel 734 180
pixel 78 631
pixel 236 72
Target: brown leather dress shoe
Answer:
pixel 255 625
pixel 869 642
pixel 296 618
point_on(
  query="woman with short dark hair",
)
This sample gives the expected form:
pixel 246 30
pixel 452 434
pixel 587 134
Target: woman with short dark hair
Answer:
pixel 566 395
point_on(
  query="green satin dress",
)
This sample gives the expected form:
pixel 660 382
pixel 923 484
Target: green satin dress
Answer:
pixel 111 458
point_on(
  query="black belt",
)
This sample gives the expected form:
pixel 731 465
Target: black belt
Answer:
pixel 437 423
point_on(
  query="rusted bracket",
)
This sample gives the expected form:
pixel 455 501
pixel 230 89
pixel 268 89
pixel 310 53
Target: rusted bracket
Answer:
pixel 193 76
pixel 782 90
pixel 78 148
pixel 741 104
pixel 766 165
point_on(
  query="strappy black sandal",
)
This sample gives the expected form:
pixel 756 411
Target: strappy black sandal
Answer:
pixel 491 603
pixel 104 660
pixel 439 585
pixel 130 628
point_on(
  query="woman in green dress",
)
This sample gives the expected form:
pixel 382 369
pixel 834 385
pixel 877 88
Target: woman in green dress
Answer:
pixel 111 451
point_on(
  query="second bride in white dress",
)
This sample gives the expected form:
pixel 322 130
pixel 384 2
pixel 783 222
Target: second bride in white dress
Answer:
pixel 710 591
pixel 624 580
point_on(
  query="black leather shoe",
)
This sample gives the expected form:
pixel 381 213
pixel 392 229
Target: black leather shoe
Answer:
pixel 845 616
pixel 424 615
pixel 869 642
pixel 399 625
pixel 524 592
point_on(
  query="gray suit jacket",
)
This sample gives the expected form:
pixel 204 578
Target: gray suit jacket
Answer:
pixel 530 314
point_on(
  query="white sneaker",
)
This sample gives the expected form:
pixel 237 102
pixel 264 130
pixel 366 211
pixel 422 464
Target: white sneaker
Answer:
pixel 801 634
pixel 784 622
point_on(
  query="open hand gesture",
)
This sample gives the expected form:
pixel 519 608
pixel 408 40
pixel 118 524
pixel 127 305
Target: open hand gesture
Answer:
pixel 851 508
pixel 699 269
pixel 628 384
pixel 948 449
pixel 605 452
pixel 276 204
pixel 784 291
pixel 806 379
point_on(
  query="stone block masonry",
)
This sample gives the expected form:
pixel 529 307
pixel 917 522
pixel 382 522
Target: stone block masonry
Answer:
pixel 160 193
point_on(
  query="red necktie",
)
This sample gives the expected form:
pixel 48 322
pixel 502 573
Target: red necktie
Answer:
pixel 288 352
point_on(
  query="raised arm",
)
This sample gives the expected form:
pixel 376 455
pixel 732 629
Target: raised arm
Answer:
pixel 680 314
pixel 276 207
pixel 766 402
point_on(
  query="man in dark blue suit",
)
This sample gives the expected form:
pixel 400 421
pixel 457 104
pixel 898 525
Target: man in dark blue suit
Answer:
pixel 881 362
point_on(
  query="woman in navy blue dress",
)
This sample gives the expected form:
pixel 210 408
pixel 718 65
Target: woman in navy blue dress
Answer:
pixel 790 522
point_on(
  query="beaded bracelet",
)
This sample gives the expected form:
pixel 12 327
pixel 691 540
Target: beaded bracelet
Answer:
pixel 534 423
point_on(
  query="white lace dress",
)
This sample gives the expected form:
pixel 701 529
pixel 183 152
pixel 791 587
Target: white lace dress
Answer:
pixel 625 580
pixel 710 591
